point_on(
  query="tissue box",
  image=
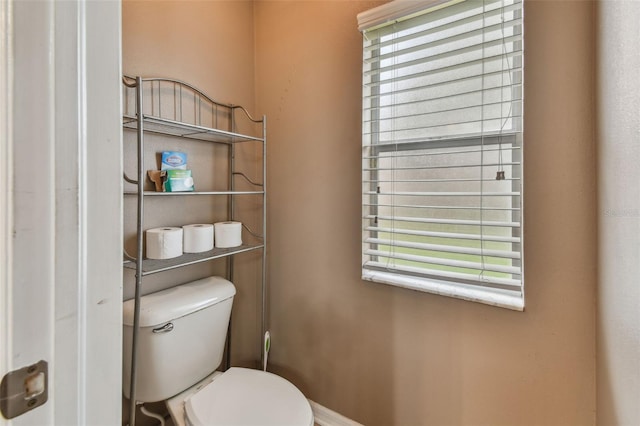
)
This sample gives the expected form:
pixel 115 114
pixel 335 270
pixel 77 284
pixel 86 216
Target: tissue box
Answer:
pixel 173 160
pixel 178 181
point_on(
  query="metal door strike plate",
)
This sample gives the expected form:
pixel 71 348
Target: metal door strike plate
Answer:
pixel 24 389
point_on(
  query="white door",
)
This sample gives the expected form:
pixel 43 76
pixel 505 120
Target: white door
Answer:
pixel 60 201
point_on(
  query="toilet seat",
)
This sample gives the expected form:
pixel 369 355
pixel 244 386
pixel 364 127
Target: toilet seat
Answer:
pixel 245 397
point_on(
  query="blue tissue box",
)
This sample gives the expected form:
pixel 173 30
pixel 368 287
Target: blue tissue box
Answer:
pixel 172 160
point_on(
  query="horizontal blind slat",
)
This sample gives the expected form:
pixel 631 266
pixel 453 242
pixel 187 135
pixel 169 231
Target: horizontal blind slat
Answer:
pixel 485 138
pixel 487 223
pixel 451 235
pixel 392 180
pixel 434 180
pixel 435 126
pixel 375 95
pixel 445 262
pixel 425 114
pixel 448 166
pixel 448 68
pixel 435 41
pixel 398 63
pixel 426 206
pixel 373 109
pixel 444 248
pixel 445 194
pixel 476 150
pixel 479 279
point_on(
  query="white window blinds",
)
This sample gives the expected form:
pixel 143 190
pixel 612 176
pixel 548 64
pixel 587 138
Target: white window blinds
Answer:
pixel 442 148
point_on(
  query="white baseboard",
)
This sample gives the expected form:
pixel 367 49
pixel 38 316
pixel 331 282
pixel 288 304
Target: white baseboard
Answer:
pixel 326 417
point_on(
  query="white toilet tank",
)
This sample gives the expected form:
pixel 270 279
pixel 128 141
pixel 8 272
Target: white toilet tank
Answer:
pixel 181 337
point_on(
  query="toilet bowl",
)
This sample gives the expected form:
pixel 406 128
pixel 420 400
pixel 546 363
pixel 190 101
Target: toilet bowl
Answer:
pixel 180 345
pixel 241 396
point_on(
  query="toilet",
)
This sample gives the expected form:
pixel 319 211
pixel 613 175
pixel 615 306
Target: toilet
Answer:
pixel 181 342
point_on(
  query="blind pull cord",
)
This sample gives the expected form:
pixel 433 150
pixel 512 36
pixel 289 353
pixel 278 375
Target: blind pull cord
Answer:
pixel 500 172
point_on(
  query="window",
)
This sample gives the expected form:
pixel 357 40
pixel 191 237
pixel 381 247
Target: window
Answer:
pixel 442 148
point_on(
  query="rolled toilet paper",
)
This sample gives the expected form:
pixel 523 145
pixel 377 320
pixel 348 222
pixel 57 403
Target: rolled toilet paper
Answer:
pixel 197 237
pixel 164 243
pixel 228 234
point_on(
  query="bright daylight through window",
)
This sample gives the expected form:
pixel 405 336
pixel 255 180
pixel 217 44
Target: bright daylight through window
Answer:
pixel 442 148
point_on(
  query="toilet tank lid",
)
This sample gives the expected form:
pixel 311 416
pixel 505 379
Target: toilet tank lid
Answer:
pixel 170 304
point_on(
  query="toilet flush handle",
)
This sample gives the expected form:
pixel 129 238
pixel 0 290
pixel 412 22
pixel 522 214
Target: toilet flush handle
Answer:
pixel 164 329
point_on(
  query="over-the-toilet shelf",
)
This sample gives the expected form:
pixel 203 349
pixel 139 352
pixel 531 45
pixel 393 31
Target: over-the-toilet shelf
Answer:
pixel 168 107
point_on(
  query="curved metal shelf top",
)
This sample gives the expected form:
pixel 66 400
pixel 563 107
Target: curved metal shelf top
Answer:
pixel 132 82
pixel 175 108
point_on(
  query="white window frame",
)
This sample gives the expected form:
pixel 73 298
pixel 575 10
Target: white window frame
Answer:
pixel 455 285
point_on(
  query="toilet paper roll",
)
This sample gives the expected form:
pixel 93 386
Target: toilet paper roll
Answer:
pixel 164 243
pixel 228 234
pixel 197 237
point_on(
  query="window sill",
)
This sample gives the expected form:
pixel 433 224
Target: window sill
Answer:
pixel 513 300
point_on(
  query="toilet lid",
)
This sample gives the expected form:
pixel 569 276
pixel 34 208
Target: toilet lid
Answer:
pixel 246 397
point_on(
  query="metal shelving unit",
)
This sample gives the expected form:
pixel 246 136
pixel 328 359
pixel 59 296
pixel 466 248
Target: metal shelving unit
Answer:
pixel 178 109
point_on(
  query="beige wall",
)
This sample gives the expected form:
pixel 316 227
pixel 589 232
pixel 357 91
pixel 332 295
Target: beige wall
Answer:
pixel 206 43
pixel 619 213
pixel 383 355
